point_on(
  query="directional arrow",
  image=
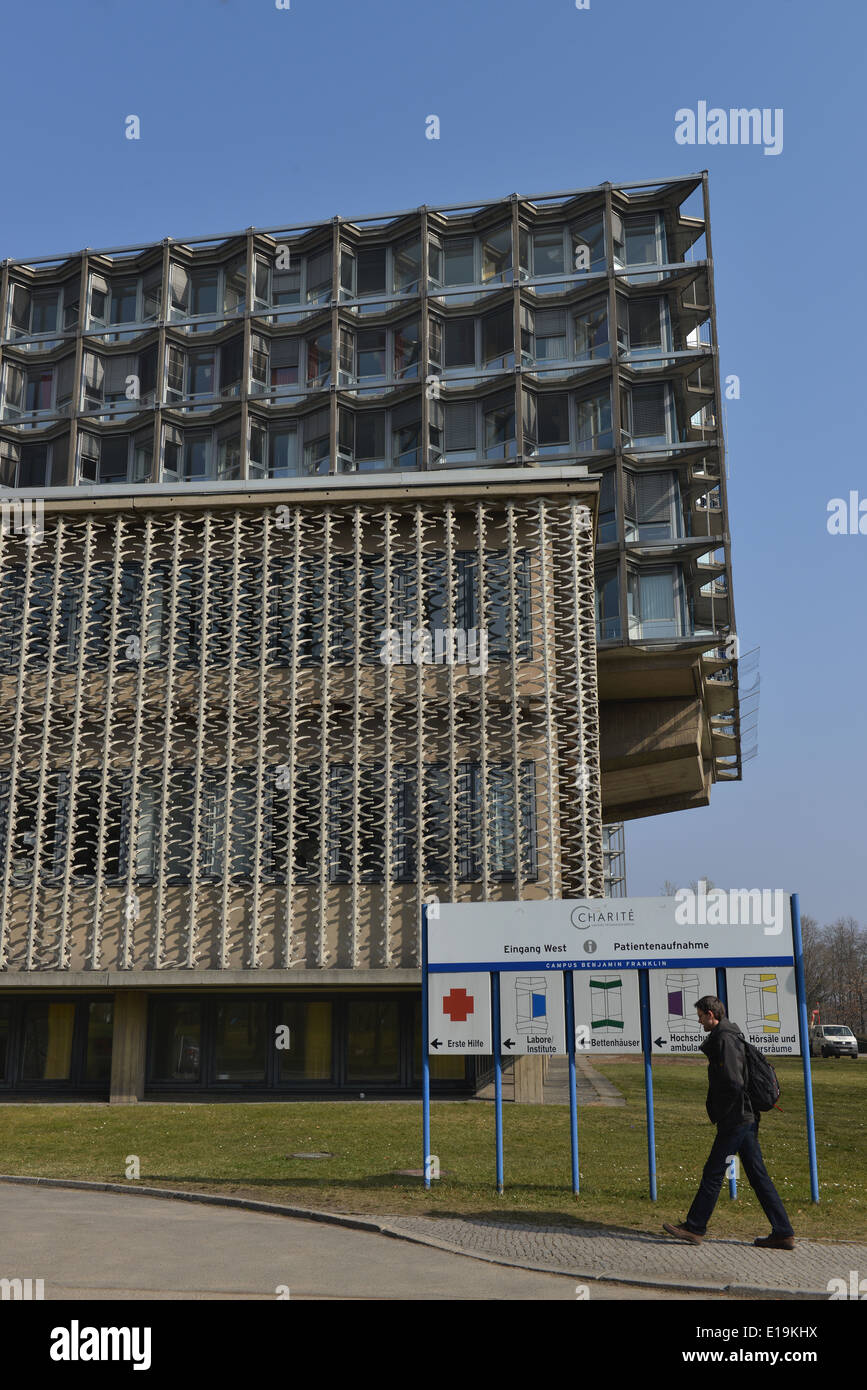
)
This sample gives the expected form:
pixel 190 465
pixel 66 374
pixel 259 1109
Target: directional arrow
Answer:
pixel 660 1042
pixel 509 1042
pixel 435 1042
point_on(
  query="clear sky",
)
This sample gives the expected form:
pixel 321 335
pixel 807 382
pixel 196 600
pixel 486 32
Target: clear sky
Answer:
pixel 254 115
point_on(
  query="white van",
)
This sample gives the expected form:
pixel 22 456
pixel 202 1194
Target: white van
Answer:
pixel 833 1040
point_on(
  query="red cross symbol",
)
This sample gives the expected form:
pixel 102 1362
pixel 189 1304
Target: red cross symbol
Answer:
pixel 458 1005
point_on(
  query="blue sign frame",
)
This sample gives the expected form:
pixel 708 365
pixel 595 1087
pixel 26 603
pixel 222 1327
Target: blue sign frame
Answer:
pixel 643 967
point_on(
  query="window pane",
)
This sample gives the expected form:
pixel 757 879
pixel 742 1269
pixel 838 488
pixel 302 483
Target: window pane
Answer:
pixel 371 271
pixel 406 443
pixel 458 262
pixel 201 374
pixel 500 433
pixel 497 254
pixel 644 324
pixel 549 256
pixel 588 244
pixel 284 453
pixel 47 1042
pixel 594 423
pixel 641 240
pixel 5 1022
pixel 44 319
pixel 407 266
pixel 99 1035
pixel 123 302
pixel 607 606
pixel 553 420
pixel 177 1041
pixel 319 360
pixel 196 458
pixel 657 597
pixel 308 1056
pixel 373 1045
pixel 591 333
pixel 460 343
pixel 240 1040
pixel 498 338
pixel 407 349
pixel 203 298
pixel 371 353
pixel 370 439
pixel 650 414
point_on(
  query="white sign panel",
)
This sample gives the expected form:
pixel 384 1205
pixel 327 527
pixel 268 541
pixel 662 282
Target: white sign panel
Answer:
pixel 674 1024
pixel 532 1014
pixel 459 1017
pixel 607 1011
pixel 764 1005
pixel 717 928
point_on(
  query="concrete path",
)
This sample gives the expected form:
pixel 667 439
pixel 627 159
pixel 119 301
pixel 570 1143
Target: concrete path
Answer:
pixel 591 1087
pixel 107 1245
pixel 102 1242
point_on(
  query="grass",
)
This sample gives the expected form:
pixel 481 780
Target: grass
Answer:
pixel 243 1150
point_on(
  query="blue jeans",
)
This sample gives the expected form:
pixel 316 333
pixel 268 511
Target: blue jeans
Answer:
pixel 743 1140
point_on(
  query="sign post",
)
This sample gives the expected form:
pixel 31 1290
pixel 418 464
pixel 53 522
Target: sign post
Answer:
pixel 647 1043
pixel 722 996
pixel 805 1044
pixel 425 1056
pixel 573 1099
pixel 498 1078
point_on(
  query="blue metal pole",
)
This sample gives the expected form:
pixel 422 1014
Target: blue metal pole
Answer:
pixel 498 1075
pixel 646 1043
pixel 573 1099
pixel 805 1043
pixel 722 995
pixel 425 1061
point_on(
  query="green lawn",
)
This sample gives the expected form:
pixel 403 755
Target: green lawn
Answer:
pixel 243 1150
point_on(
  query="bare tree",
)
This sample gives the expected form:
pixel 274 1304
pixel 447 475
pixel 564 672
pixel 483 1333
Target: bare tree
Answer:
pixel 815 964
pixel 844 945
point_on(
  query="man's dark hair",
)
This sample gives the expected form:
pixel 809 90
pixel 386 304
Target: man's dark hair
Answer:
pixel 709 1004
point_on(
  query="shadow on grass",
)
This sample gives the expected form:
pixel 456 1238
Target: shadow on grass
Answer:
pixel 386 1184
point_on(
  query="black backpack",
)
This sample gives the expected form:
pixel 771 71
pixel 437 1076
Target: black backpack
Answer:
pixel 763 1088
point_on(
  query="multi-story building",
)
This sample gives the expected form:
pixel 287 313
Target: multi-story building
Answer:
pixel 345 568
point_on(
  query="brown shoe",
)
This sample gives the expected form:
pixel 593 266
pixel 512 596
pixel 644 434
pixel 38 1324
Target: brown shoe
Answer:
pixel 776 1242
pixel 683 1233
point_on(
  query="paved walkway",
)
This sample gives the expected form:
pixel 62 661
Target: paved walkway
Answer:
pixel 731 1266
pixel 591 1087
pixel 36 1224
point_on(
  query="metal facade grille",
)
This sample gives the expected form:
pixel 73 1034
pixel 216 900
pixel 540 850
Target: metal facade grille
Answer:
pixel 241 737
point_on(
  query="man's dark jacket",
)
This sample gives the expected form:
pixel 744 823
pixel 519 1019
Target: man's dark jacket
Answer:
pixel 728 1104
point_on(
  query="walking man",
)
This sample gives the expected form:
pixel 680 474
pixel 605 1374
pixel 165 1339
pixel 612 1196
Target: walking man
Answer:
pixel 729 1108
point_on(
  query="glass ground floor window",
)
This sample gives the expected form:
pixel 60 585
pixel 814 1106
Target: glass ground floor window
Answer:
pixel 314 1043
pixel 56 1044
pixel 311 1043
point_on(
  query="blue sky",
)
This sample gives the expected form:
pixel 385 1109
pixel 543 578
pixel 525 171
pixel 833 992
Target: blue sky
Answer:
pixel 254 115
